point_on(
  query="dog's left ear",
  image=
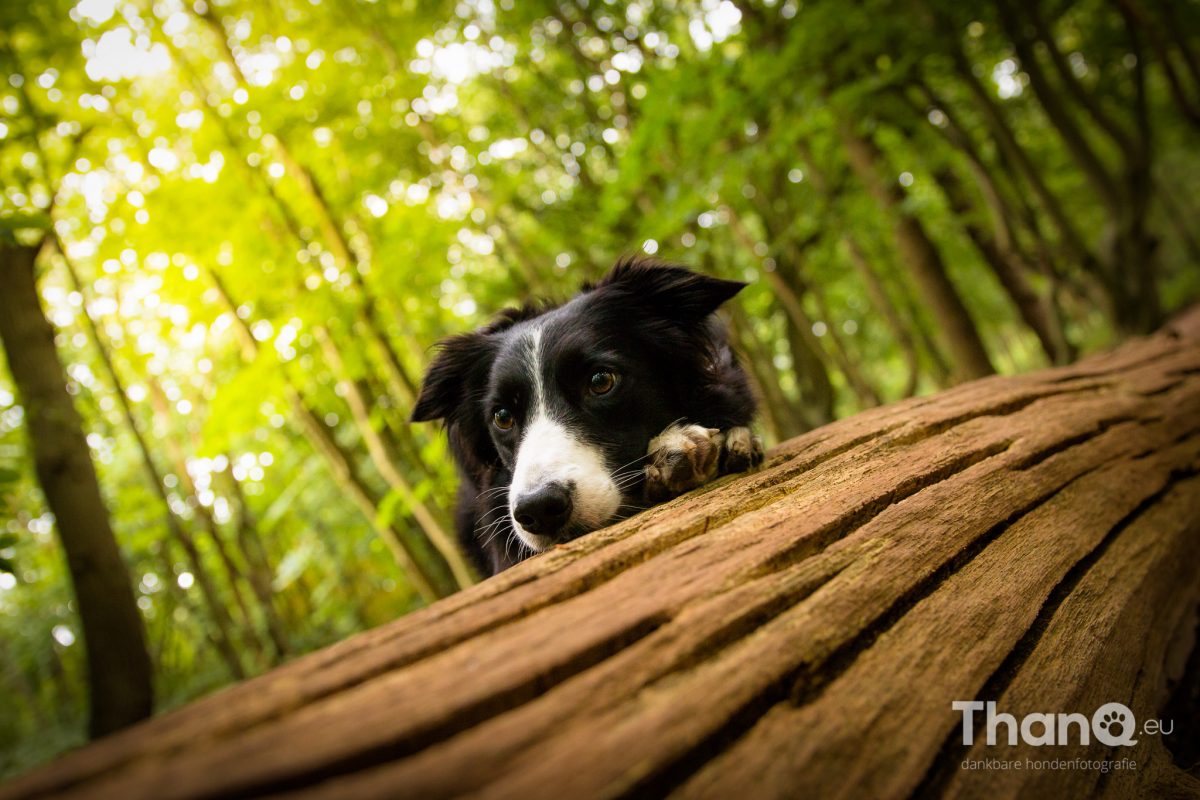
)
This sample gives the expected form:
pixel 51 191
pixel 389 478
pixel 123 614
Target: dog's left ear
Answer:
pixel 671 292
pixel 445 386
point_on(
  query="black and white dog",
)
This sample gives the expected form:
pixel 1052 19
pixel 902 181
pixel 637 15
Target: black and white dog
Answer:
pixel 565 418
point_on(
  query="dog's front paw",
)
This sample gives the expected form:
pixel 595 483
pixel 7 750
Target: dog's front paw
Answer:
pixel 681 458
pixel 742 451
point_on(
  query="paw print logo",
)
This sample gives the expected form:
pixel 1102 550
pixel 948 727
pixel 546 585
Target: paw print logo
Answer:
pixel 1113 724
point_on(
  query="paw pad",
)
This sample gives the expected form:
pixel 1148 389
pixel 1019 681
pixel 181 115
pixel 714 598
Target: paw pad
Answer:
pixel 1113 723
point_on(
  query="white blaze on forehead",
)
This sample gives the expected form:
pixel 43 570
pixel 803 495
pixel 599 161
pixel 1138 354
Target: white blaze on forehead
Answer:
pixel 550 452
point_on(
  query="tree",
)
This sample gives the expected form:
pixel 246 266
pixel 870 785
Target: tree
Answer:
pixel 118 664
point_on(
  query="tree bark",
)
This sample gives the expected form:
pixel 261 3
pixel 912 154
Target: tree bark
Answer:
pixel 1032 540
pixel 119 670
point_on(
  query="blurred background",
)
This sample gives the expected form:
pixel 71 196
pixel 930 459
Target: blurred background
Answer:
pixel 249 220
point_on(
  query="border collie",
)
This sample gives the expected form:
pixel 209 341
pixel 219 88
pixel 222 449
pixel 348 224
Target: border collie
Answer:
pixel 564 418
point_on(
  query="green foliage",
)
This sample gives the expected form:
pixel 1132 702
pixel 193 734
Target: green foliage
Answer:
pixel 275 208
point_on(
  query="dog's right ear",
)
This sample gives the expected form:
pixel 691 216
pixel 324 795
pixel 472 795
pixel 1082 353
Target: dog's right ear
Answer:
pixel 446 383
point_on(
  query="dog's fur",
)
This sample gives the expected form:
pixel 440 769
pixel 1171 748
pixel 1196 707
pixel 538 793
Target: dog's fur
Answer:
pixel 574 458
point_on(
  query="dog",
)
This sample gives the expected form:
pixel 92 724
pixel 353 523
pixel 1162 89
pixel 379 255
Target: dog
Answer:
pixel 564 418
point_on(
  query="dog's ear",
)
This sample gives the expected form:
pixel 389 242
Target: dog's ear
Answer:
pixel 669 291
pixel 446 383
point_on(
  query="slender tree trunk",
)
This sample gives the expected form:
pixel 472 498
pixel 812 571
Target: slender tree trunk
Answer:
pixel 1179 33
pixel 1162 51
pixel 1006 266
pixel 217 635
pixel 400 382
pixel 1056 110
pixel 233 573
pixel 346 473
pixel 386 461
pixel 222 635
pixel 1007 143
pixel 875 289
pixel 1128 255
pixel 341 465
pixel 808 358
pixel 882 303
pixel 119 669
pixel 259 567
pixel 862 388
pixel 787 422
pixel 1066 76
pixel 808 363
pixel 956 329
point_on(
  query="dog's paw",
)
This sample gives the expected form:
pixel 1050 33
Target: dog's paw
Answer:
pixel 742 450
pixel 681 458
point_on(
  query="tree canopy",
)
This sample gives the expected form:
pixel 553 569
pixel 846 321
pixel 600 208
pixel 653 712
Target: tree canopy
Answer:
pixel 253 218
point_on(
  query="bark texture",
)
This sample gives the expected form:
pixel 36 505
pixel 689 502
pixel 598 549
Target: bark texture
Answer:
pixel 800 631
pixel 119 676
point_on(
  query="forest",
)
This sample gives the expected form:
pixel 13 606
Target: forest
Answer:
pixel 231 232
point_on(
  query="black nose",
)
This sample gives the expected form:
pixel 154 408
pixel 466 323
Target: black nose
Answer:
pixel 545 510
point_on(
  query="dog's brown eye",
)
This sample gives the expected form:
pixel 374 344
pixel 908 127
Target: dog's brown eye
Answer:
pixel 503 419
pixel 602 382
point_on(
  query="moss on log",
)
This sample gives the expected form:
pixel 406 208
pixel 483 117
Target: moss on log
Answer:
pixel 800 631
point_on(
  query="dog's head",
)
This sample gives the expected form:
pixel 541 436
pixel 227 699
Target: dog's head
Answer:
pixel 561 402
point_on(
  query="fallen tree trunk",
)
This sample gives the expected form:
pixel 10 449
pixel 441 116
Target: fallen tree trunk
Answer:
pixel 803 630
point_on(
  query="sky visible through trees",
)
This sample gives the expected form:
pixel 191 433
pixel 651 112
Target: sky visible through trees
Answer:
pixel 247 221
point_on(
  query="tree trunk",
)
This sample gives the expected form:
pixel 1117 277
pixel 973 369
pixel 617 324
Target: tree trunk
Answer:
pixel 808 363
pixel 783 419
pixel 258 565
pixel 956 329
pixel 865 393
pixel 233 572
pixel 346 473
pixel 387 461
pixel 1013 152
pixel 119 670
pixel 221 634
pixel 1010 270
pixel 1055 108
pixel 879 298
pixel 343 467
pixel 801 631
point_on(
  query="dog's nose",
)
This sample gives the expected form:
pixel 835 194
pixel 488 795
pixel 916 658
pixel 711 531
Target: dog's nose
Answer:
pixel 545 510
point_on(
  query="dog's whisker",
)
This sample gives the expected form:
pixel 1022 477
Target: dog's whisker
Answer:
pixel 491 492
pixel 631 463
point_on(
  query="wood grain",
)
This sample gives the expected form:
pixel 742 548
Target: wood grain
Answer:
pixel 802 630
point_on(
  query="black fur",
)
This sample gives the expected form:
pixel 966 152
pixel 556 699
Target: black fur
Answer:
pixel 653 324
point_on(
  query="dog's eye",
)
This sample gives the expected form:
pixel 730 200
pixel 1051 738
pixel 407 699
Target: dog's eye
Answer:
pixel 602 382
pixel 503 419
